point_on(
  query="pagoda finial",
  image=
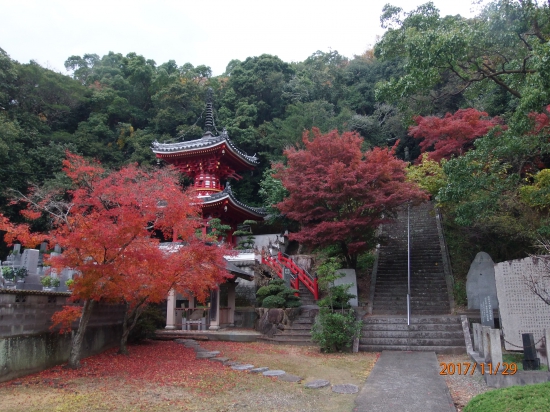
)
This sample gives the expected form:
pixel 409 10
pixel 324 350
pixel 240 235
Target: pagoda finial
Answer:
pixel 209 116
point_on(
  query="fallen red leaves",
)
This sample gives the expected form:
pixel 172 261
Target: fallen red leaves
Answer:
pixel 161 363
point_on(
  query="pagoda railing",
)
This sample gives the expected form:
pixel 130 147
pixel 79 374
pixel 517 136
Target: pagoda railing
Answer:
pixel 298 274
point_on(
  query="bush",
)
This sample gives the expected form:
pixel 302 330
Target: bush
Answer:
pixel 150 320
pixel 8 273
pixel 277 295
pixel 49 282
pixel 335 331
pixel 273 302
pixel 337 298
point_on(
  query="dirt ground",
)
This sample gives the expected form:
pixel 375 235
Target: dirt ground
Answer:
pixel 165 376
pixel 465 386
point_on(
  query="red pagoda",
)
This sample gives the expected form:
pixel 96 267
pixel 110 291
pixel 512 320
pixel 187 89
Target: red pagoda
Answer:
pixel 208 161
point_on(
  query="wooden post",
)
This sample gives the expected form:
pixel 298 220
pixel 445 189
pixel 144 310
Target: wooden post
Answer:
pixel 214 309
pixel 231 302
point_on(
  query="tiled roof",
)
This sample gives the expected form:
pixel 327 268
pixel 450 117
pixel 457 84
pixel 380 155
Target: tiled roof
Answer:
pixel 206 141
pixel 228 193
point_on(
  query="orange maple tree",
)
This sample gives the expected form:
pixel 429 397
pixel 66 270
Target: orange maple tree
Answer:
pixel 105 226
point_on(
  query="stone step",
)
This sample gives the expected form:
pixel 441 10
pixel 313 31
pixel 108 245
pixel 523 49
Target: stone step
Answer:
pixel 303 321
pixel 415 334
pixel 442 299
pixel 418 320
pixel 417 304
pixel 418 291
pixel 411 341
pixel 277 341
pixel 456 350
pixel 403 311
pixel 445 327
pixel 388 280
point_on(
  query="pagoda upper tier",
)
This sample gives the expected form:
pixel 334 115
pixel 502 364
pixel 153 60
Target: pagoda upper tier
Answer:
pixel 207 160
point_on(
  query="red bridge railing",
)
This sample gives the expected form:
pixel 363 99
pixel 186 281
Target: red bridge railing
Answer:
pixel 299 274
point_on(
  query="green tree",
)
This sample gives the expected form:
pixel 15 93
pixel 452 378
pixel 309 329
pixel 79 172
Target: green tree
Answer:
pixel 503 46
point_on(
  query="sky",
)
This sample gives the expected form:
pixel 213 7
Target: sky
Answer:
pixel 209 32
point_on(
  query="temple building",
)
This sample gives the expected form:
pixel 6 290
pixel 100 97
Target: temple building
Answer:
pixel 210 161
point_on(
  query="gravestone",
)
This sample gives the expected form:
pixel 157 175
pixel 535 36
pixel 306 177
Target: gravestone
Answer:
pixel 16 256
pixel 348 278
pixel 480 281
pixel 29 260
pixel 530 360
pixel 520 310
pixel 486 310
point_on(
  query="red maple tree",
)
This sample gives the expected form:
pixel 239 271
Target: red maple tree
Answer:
pixel 453 134
pixel 339 194
pixel 106 230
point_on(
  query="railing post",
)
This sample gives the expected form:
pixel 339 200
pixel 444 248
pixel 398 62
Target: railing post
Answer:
pixel 409 263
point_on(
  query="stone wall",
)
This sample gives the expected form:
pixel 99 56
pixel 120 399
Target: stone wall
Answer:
pixel 26 343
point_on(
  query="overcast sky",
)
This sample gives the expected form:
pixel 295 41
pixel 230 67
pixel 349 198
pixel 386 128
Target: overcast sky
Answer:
pixel 209 32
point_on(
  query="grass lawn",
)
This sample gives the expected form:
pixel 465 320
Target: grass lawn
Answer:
pixel 529 398
pixel 165 376
pixel 517 358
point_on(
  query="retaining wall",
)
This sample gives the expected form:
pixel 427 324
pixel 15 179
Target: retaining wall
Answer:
pixel 26 343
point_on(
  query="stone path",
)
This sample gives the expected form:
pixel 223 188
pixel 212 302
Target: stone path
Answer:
pixel 405 382
pixel 202 353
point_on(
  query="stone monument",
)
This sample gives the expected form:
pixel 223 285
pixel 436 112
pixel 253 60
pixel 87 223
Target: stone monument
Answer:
pixel 348 277
pixel 481 281
pixel 520 310
pixel 486 310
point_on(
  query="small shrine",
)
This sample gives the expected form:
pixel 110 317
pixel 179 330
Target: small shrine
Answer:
pixel 210 161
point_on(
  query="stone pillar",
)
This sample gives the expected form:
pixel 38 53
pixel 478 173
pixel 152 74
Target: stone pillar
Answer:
pixel 478 341
pixel 231 302
pixel 214 309
pixel 486 353
pixel 496 347
pixel 547 344
pixel 171 310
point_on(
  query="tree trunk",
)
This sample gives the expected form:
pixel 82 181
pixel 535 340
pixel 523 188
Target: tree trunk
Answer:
pixel 130 320
pixel 76 345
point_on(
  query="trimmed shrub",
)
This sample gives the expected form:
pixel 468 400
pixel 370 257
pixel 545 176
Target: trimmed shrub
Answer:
pixel 277 295
pixel 335 331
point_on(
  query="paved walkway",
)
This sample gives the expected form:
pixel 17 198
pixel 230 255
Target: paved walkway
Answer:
pixel 405 382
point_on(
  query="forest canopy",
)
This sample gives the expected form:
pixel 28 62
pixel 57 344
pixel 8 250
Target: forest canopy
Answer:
pixel 427 69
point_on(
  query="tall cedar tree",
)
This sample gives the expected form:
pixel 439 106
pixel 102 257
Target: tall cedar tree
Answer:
pixel 339 194
pixel 106 231
pixel 452 135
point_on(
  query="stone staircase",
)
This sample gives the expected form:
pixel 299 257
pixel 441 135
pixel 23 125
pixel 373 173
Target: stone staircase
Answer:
pixel 429 294
pixel 299 333
pixel 441 334
pixel 431 327
pixel 306 297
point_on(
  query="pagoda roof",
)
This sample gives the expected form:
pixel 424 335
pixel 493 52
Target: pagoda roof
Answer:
pixel 227 193
pixel 207 141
